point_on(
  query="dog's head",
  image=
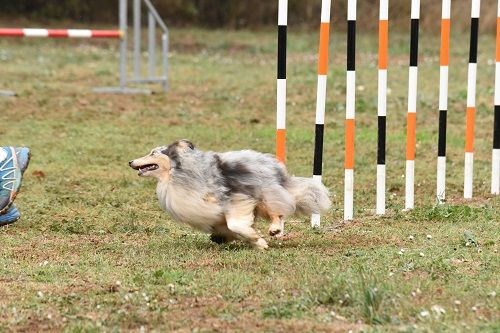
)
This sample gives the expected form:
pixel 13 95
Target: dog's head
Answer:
pixel 161 160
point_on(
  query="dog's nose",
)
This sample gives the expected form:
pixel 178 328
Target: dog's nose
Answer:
pixel 130 163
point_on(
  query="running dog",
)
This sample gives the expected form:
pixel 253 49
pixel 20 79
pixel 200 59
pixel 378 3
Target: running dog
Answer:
pixel 222 193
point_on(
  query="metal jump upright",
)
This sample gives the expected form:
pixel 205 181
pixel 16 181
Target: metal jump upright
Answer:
pixel 154 21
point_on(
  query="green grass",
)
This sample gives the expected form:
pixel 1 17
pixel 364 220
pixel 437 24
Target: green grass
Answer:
pixel 94 251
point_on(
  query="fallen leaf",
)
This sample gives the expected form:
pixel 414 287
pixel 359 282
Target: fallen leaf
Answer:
pixel 38 174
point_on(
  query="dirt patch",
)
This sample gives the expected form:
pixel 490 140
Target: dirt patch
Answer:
pixel 190 313
pixel 475 202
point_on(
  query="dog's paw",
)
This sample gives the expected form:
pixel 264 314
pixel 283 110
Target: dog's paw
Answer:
pixel 261 244
pixel 219 239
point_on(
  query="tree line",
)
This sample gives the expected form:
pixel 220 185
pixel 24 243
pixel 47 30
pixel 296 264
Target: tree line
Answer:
pixel 249 14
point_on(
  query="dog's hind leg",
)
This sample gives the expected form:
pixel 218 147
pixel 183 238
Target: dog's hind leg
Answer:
pixel 277 225
pixel 279 203
pixel 240 219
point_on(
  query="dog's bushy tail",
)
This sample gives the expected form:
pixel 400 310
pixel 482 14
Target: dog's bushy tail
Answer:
pixel 310 195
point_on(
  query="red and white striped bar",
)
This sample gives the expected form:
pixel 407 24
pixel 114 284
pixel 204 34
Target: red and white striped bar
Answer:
pixel 61 33
pixel 350 111
pixel 471 100
pixel 495 158
pixel 383 48
pixel 412 107
pixel 281 82
pixel 443 100
pixel 324 37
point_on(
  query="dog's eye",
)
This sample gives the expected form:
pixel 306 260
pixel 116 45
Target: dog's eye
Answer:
pixel 156 152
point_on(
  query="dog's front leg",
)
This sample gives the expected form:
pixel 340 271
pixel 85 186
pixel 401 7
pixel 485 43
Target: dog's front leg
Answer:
pixel 218 239
pixel 240 219
pixel 242 227
pixel 221 234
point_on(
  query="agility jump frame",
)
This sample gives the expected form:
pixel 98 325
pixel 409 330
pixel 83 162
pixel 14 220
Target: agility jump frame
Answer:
pixel 382 102
pixel 154 21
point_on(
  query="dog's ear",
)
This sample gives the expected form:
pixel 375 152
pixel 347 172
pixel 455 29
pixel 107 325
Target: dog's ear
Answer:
pixel 164 150
pixel 173 155
pixel 184 145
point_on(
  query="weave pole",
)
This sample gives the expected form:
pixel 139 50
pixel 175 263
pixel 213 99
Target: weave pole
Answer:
pixel 324 37
pixel 443 99
pixel 383 48
pixel 412 107
pixel 495 158
pixel 471 100
pixel 281 82
pixel 61 33
pixel 350 111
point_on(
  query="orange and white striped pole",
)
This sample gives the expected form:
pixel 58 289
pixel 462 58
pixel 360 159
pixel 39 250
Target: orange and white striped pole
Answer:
pixel 281 82
pixel 350 111
pixel 495 157
pixel 443 99
pixel 471 100
pixel 412 107
pixel 324 34
pixel 383 50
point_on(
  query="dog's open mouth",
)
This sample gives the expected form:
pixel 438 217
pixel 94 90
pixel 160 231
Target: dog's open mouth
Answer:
pixel 145 168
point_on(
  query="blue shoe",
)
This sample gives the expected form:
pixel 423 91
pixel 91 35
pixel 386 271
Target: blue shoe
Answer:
pixel 13 163
pixel 23 158
pixel 11 216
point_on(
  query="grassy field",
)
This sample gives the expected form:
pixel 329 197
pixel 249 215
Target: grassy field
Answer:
pixel 94 252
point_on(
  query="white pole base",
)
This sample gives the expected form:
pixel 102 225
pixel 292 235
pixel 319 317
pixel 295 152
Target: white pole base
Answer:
pixel 468 171
pixel 348 195
pixel 441 179
pixel 410 185
pixel 380 207
pixel 495 172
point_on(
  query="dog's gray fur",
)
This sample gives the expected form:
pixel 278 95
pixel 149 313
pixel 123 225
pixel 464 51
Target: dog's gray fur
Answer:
pixel 220 193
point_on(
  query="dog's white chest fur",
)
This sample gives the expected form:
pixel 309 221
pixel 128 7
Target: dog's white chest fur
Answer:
pixel 189 207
